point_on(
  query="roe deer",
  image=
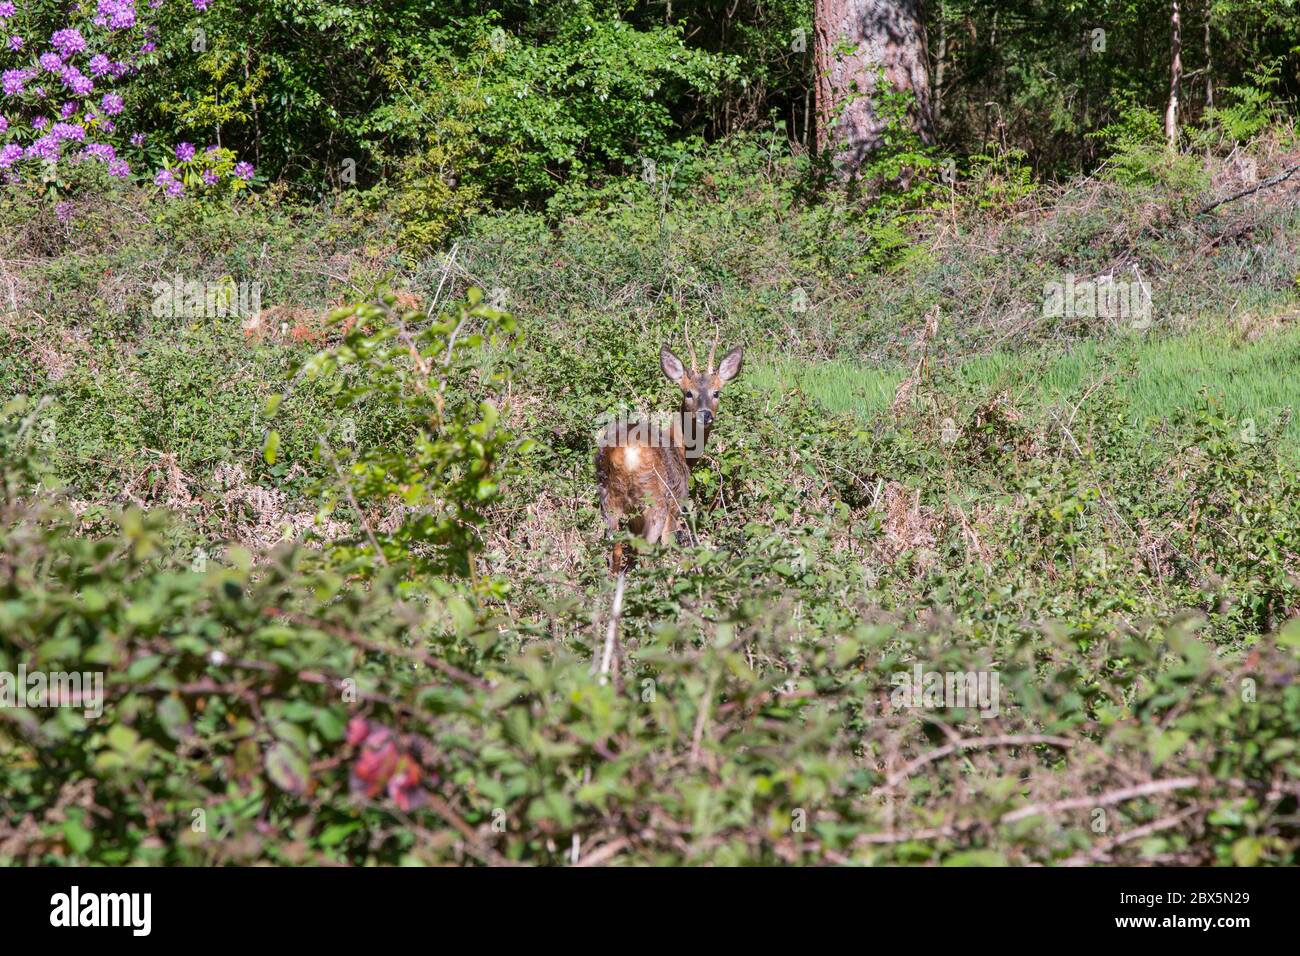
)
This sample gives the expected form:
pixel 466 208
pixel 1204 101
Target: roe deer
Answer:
pixel 643 471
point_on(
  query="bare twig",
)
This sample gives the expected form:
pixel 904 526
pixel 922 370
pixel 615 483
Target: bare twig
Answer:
pixel 971 743
pixel 605 852
pixel 611 632
pixel 1150 788
pixel 1263 184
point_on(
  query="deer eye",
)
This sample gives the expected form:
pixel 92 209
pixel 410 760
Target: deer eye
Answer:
pixel 690 394
pixel 716 394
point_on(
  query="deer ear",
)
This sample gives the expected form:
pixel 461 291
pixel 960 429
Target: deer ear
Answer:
pixel 671 365
pixel 729 367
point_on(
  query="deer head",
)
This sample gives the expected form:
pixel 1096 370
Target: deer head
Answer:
pixel 700 389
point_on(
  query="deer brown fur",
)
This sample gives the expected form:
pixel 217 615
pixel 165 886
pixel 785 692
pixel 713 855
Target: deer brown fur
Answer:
pixel 644 473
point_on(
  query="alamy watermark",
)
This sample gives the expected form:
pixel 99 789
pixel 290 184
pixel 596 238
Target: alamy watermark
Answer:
pixel 937 690
pixel 53 689
pixel 1100 298
pixel 181 298
pixel 130 910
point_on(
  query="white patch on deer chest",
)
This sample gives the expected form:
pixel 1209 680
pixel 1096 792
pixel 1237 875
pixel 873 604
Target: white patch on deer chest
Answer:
pixel 632 457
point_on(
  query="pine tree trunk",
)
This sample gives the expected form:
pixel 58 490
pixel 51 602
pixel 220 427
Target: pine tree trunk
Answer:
pixel 882 35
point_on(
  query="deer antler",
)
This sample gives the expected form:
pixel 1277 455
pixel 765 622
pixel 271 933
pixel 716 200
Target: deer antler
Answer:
pixel 695 363
pixel 714 350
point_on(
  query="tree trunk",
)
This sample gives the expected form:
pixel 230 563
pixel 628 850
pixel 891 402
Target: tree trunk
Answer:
pixel 1209 57
pixel 1175 77
pixel 936 100
pixel 884 35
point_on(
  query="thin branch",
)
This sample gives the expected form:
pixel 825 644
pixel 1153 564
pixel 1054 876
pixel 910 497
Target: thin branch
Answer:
pixel 1264 184
pixel 973 743
pixel 1102 800
pixel 611 632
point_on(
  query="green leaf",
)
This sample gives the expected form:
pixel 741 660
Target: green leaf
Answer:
pixel 144 667
pixel 173 716
pixel 1282 747
pixel 287 769
pixel 271 447
pixel 78 837
pixel 1164 744
pixel 122 738
pixel 1247 851
pixel 336 833
pixel 332 726
pixel 976 858
pixel 1289 636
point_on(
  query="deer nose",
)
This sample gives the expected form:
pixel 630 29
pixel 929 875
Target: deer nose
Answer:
pixel 705 416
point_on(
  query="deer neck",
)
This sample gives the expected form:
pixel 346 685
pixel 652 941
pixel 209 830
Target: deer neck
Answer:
pixel 693 438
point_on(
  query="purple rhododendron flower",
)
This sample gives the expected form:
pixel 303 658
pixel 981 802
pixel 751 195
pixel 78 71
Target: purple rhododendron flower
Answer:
pixel 63 211
pixel 72 131
pixel 72 112
pixel 68 41
pixel 76 81
pixel 13 81
pixel 47 147
pixel 116 14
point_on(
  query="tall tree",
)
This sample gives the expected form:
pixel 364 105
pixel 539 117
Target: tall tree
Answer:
pixel 856 42
pixel 1175 76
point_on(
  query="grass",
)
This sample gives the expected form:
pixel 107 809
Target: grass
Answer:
pixel 1154 377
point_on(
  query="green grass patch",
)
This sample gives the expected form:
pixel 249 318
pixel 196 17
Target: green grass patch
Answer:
pixel 1155 377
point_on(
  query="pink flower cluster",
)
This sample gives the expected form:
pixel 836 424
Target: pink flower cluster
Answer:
pixel 384 765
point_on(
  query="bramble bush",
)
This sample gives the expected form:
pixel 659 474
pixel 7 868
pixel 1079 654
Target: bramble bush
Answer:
pixel 412 689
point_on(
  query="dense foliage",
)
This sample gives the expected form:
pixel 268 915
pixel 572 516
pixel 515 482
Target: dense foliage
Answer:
pixel 311 313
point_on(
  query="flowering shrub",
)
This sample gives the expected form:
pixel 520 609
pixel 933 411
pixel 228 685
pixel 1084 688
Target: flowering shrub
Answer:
pixel 58 102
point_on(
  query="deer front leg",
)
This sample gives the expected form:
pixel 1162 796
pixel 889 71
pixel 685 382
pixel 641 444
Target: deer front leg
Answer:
pixel 656 526
pixel 671 528
pixel 613 518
